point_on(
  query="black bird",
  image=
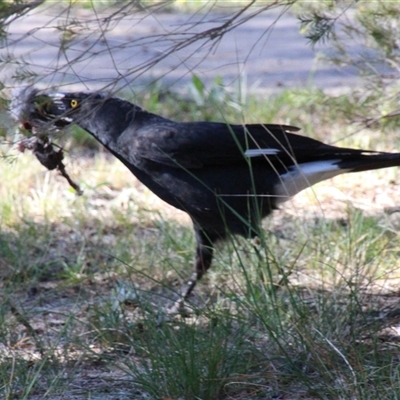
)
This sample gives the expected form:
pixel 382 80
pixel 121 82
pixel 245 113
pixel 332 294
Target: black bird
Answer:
pixel 226 177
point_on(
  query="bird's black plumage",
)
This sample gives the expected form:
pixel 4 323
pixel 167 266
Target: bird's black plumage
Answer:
pixel 226 177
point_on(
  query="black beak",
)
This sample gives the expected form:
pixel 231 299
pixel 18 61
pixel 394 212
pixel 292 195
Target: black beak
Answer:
pixel 46 111
pixel 39 112
pixel 50 106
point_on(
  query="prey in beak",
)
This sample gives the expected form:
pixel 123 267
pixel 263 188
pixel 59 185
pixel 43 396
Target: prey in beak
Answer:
pixel 41 116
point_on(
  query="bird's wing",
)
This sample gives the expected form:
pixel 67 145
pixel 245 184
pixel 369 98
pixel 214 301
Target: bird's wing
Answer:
pixel 198 144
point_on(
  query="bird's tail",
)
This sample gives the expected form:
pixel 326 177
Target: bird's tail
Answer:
pixel 301 176
pixel 367 162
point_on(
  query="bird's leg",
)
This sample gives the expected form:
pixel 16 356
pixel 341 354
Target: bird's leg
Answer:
pixel 204 255
pixel 202 263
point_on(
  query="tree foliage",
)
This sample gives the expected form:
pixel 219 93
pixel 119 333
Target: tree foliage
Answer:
pixel 365 36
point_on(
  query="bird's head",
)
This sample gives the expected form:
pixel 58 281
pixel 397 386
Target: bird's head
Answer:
pixel 50 112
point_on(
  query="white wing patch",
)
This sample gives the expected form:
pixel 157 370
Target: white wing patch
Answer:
pixel 302 176
pixel 261 152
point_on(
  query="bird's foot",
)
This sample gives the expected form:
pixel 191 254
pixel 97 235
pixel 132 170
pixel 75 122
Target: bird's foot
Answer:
pixel 180 308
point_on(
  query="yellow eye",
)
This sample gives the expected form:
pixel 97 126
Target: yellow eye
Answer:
pixel 74 103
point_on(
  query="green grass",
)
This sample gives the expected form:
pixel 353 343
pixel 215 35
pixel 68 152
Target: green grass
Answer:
pixel 86 281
